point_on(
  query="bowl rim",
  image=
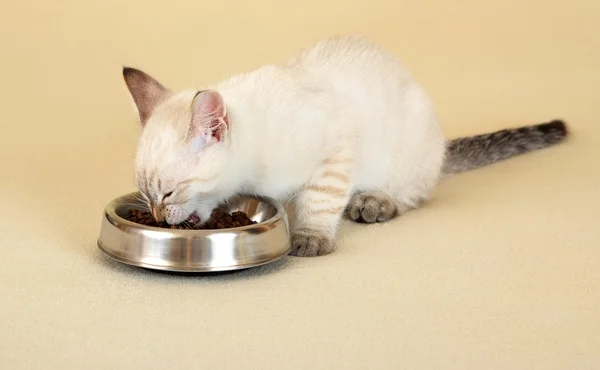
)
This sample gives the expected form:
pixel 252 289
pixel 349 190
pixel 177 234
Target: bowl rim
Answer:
pixel 112 216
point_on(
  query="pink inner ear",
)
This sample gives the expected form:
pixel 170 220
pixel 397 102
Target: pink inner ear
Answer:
pixel 209 115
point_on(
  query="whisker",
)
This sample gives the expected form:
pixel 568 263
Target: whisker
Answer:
pixel 140 199
pixel 137 206
pixel 134 202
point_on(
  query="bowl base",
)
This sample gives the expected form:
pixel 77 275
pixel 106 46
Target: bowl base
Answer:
pixel 191 269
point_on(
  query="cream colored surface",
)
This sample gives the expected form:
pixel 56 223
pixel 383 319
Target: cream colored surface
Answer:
pixel 501 270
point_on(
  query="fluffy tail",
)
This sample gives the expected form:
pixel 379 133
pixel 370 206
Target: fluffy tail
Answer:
pixel 472 152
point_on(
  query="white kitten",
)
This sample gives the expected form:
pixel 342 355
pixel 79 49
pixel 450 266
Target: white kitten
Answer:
pixel 341 127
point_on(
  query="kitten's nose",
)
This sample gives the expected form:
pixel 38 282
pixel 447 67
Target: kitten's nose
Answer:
pixel 157 214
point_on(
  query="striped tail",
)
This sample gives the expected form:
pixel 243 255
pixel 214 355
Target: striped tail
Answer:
pixel 468 153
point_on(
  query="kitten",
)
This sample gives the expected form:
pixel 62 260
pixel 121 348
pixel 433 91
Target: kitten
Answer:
pixel 342 128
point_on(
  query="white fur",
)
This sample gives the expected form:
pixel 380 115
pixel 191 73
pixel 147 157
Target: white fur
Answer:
pixel 344 106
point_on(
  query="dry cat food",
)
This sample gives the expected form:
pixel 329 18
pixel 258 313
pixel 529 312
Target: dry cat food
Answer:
pixel 219 219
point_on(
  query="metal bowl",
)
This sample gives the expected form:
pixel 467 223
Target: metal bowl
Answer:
pixel 197 250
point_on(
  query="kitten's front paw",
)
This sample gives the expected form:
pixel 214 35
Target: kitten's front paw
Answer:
pixel 310 243
pixel 371 207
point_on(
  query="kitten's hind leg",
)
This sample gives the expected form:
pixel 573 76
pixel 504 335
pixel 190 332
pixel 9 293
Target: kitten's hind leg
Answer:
pixel 370 207
pixel 319 208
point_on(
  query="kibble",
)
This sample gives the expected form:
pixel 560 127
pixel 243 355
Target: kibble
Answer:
pixel 219 219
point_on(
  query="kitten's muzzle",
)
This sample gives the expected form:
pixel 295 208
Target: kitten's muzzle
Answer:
pixel 157 213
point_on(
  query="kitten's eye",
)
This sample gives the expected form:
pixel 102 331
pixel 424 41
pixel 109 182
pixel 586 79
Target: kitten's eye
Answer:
pixel 167 195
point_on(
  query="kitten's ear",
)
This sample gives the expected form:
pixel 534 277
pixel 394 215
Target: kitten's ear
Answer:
pixel 146 92
pixel 209 117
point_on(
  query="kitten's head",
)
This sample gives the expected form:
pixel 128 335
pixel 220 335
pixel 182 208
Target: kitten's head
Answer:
pixel 181 153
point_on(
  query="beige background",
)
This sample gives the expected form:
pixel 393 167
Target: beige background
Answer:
pixel 501 270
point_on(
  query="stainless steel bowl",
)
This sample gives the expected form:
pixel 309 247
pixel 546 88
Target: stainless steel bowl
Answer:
pixel 197 250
